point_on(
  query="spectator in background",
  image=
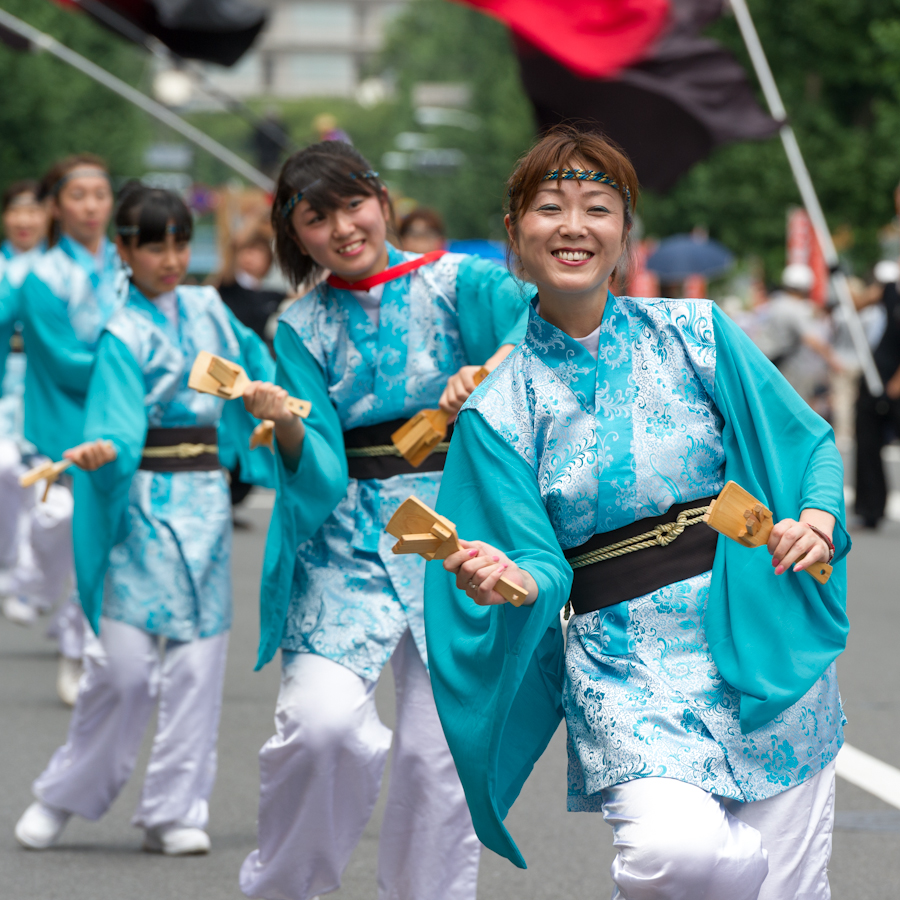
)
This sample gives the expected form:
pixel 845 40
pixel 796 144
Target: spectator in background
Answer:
pixel 795 334
pixel 878 418
pixel 326 126
pixel 422 231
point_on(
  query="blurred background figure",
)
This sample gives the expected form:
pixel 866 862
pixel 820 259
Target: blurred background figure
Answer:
pixel 795 334
pixel 25 219
pixel 878 418
pixel 326 126
pixel 422 231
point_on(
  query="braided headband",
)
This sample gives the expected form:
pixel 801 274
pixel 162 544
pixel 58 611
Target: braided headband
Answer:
pixel 581 175
pixel 81 172
pixel 289 205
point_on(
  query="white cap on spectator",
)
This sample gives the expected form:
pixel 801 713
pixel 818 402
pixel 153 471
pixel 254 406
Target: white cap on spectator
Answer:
pixel 797 277
pixel 887 271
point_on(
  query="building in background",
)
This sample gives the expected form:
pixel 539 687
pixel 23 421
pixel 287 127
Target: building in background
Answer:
pixel 310 48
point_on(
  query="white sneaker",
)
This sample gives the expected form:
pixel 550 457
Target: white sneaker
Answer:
pixel 68 677
pixel 41 826
pixel 176 840
pixel 18 611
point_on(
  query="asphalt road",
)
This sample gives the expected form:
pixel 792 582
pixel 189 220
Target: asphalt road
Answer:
pixel 568 854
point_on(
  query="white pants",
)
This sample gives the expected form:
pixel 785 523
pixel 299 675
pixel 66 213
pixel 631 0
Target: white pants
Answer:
pixel 321 775
pixel 677 842
pixel 123 678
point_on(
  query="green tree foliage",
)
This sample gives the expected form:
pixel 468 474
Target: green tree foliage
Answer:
pixel 48 110
pixel 437 41
pixel 837 64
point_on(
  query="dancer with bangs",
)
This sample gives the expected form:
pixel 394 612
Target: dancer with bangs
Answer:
pixel 152 544
pixel 384 336
pixel 32 533
pixel 66 299
pixel 697 679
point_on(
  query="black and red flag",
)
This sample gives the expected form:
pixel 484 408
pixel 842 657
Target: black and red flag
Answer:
pixel 640 70
pixel 218 31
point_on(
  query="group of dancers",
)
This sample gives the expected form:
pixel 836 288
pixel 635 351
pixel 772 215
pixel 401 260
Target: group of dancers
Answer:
pixel 696 679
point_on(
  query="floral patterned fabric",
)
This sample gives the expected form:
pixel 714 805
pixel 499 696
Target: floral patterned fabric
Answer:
pixel 611 443
pixel 351 598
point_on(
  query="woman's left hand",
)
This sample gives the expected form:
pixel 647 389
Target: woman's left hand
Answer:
pixel 795 543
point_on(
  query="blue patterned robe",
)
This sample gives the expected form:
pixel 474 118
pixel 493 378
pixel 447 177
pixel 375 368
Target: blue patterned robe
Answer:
pixel 331 584
pixel 567 448
pixel 153 549
pixel 66 301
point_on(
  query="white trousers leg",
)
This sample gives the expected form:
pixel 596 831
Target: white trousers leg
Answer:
pixel 12 497
pixel 70 628
pixel 46 565
pixel 123 677
pixel 677 842
pixel 428 847
pixel 796 828
pixel 320 779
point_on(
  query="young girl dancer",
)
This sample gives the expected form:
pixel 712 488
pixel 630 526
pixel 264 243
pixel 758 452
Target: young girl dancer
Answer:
pixel 384 336
pixel 152 545
pixel 698 681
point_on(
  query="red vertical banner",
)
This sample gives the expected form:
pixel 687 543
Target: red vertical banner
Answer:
pixel 642 282
pixel 803 249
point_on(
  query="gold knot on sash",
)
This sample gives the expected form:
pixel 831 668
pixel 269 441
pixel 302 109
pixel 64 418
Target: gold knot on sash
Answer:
pixel 179 451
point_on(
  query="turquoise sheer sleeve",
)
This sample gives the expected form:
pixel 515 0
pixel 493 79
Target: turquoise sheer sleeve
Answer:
pixel 496 671
pixel 308 489
pixel 782 452
pixel 114 411
pixel 492 308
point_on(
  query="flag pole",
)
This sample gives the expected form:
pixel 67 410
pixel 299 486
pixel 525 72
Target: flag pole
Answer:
pixel 42 41
pixel 808 194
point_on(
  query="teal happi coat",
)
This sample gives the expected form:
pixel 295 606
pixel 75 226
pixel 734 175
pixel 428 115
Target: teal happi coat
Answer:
pixel 331 585
pixel 554 447
pixel 152 549
pixel 66 300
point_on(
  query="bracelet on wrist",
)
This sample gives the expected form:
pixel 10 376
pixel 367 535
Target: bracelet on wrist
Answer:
pixel 821 534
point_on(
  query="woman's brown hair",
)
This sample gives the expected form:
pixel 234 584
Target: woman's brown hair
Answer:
pixel 567 147
pixel 54 181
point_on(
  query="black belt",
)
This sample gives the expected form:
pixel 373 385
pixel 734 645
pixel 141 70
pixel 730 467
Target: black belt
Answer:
pixel 181 450
pixel 606 583
pixel 381 458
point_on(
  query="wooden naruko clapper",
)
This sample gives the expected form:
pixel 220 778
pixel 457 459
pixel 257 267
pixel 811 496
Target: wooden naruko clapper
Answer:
pixel 738 515
pixel 421 530
pixel 425 430
pixel 220 377
pixel 48 470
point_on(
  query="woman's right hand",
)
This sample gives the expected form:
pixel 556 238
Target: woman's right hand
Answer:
pixel 267 401
pixel 92 455
pixel 479 566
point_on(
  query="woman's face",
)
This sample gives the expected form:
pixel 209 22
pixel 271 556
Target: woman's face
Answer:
pixel 25 222
pixel 571 236
pixel 255 260
pixel 349 240
pixel 83 208
pixel 157 267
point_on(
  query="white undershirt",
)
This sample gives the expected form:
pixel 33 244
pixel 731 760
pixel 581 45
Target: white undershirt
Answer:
pixel 590 342
pixel 167 304
pixel 247 281
pixel 370 301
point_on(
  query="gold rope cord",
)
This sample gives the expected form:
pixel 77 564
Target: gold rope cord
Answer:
pixel 179 451
pixel 660 536
pixel 387 450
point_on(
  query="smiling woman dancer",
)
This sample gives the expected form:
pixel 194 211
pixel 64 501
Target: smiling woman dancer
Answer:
pixel 384 336
pixel 152 545
pixel 66 300
pixel 698 681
